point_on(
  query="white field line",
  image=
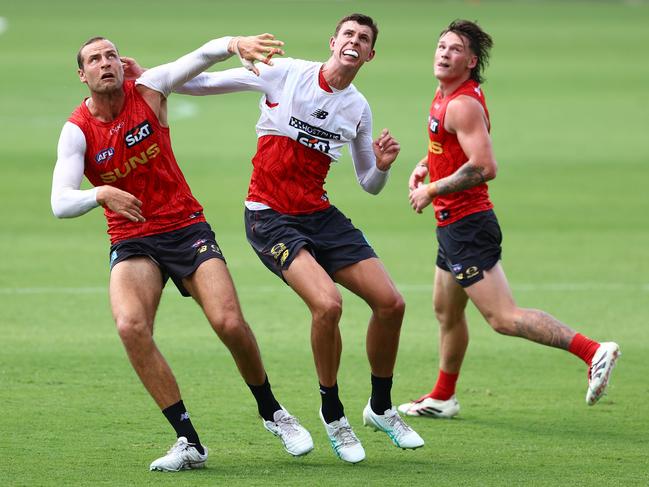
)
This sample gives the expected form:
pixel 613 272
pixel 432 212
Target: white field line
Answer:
pixel 413 288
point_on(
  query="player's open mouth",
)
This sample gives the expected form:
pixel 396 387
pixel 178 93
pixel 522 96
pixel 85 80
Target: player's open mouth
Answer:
pixel 351 52
pixel 108 76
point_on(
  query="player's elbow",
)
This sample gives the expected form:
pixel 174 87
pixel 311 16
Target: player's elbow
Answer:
pixel 490 170
pixel 59 212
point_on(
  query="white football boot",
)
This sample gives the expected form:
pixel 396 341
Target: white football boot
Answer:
pixel 432 408
pixel 296 439
pixel 391 423
pixel 600 369
pixel 181 456
pixel 344 442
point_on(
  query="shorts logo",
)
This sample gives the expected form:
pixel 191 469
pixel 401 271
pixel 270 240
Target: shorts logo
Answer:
pixel 113 256
pixel 280 253
pixel 433 125
pixel 198 242
pixel 320 114
pixel 138 134
pixel 472 272
pixel 104 155
pixel 456 268
pixel 212 247
pixel 313 142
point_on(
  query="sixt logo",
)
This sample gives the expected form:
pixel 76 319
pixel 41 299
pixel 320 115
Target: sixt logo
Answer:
pixel 138 134
pixel 313 142
pixel 434 125
pixel 104 155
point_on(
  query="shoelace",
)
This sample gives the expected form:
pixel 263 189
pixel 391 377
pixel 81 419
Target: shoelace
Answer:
pixel 289 425
pixel 345 436
pixel 179 446
pixel 400 427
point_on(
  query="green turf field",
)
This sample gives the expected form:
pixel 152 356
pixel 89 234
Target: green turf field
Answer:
pixel 567 92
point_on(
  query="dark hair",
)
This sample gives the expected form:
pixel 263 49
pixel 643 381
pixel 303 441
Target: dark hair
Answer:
pixel 363 20
pixel 87 43
pixel 479 42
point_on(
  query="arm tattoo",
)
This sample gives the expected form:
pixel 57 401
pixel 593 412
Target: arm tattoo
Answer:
pixel 467 176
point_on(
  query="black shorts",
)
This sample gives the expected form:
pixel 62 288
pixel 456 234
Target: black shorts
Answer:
pixel 328 235
pixel 177 253
pixel 470 246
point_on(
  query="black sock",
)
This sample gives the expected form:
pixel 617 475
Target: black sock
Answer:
pixel 266 402
pixel 332 408
pixel 381 400
pixel 178 416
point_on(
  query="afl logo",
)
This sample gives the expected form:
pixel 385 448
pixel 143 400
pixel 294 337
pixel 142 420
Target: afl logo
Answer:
pixel 104 155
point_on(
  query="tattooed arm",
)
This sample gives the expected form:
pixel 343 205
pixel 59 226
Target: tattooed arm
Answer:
pixel 466 118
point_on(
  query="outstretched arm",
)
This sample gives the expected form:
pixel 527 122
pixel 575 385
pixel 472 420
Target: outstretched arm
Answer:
pixel 157 83
pixel 466 118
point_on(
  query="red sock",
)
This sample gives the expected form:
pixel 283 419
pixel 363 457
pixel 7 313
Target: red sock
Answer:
pixel 445 386
pixel 583 347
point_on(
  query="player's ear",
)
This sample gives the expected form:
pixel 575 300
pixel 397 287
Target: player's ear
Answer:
pixel 370 56
pixel 473 62
pixel 82 75
pixel 332 41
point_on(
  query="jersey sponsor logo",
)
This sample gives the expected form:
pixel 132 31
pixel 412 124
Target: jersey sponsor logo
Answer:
pixel 435 147
pixel 434 125
pixel 138 134
pixel 311 130
pixel 131 164
pixel 104 155
pixel 320 114
pixel 307 140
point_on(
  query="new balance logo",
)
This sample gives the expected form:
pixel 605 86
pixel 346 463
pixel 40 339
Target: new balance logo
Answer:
pixel 320 114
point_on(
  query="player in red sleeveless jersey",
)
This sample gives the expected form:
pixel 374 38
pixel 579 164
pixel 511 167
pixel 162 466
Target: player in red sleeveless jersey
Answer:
pixel 459 163
pixel 119 138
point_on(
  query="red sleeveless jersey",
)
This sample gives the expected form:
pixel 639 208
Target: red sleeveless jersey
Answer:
pixel 289 177
pixel 133 153
pixel 445 156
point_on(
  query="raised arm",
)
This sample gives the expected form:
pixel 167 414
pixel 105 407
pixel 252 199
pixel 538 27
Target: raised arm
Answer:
pixel 157 83
pixel 67 199
pixel 466 118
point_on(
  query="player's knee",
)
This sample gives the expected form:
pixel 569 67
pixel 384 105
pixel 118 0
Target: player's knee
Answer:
pixel 229 326
pixel 392 309
pixel 446 317
pixel 327 312
pixel 501 323
pixel 133 331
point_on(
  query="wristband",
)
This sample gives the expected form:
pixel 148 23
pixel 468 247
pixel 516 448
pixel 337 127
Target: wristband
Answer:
pixel 249 65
